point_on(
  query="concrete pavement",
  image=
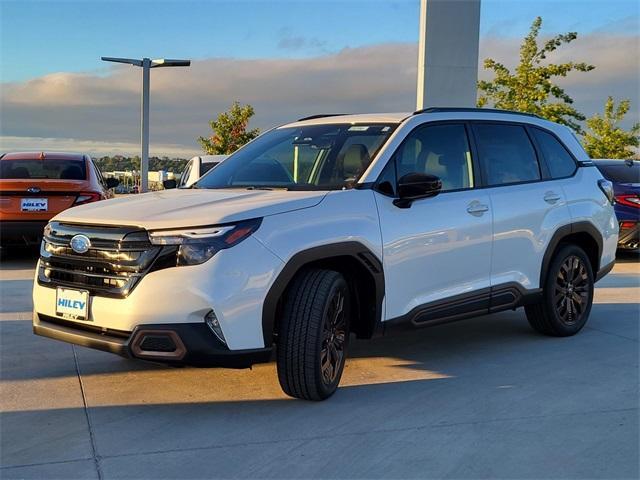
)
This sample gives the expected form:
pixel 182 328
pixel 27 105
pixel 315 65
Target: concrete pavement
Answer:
pixel 486 397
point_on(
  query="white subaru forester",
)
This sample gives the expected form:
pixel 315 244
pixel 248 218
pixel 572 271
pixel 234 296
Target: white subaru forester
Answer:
pixel 331 225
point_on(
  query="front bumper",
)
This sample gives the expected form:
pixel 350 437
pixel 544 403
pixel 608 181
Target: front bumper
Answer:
pixel 233 284
pixel 191 344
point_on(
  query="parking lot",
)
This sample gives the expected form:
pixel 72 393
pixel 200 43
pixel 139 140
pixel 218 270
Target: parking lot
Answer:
pixel 486 397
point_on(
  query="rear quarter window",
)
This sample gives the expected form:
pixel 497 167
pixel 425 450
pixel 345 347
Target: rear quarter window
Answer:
pixel 561 164
pixel 53 169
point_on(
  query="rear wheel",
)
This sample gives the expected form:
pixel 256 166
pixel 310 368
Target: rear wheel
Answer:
pixel 313 335
pixel 567 295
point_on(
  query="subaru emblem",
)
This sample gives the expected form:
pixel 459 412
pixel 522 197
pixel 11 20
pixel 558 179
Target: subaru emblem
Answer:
pixel 80 244
pixel 33 190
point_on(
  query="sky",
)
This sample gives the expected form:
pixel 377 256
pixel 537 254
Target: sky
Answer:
pixel 287 58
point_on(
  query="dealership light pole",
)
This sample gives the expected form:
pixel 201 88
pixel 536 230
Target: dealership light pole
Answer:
pixel 147 64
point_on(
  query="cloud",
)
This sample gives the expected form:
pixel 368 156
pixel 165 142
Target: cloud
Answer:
pixel 101 112
pixel 92 147
pixel 290 41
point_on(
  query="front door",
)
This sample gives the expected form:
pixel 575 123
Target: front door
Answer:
pixel 439 247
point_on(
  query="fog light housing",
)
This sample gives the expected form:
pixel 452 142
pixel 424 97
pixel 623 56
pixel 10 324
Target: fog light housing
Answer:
pixel 214 325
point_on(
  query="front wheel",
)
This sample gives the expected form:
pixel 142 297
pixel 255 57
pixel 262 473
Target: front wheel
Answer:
pixel 567 295
pixel 314 334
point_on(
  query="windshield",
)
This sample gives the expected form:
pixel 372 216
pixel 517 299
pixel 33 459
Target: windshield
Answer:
pixel 318 157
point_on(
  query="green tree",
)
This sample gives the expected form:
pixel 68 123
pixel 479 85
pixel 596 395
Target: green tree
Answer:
pixel 229 131
pixel 605 138
pixel 531 88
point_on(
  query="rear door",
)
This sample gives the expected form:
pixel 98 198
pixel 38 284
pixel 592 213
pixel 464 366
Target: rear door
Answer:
pixel 528 206
pixel 37 189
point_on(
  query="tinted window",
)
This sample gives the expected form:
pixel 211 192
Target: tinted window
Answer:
pixel 48 168
pixel 622 173
pixel 507 154
pixel 441 150
pixel 558 159
pixel 387 180
pixel 205 167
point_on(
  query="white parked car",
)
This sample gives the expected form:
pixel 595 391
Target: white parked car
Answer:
pixel 194 169
pixel 331 226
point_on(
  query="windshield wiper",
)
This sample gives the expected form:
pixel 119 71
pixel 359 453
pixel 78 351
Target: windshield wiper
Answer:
pixel 266 188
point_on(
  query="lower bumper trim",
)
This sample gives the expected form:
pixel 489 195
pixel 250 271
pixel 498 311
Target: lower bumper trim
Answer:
pixel 82 338
pixel 199 346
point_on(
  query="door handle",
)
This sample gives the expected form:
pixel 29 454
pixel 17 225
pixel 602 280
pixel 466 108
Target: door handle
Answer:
pixel 551 197
pixel 477 209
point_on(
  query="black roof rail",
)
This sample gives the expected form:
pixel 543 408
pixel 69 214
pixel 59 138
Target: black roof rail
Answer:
pixel 321 115
pixel 471 109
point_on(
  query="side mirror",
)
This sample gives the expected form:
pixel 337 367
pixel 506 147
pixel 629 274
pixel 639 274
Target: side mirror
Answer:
pixel 112 182
pixel 169 184
pixel 414 186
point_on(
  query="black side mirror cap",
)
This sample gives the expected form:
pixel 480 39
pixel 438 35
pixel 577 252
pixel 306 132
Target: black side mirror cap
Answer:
pixel 414 186
pixel 112 182
pixel 169 184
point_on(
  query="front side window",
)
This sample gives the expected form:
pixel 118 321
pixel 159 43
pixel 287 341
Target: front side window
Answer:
pixel 316 157
pixel 506 154
pixel 440 150
pixel 560 163
pixel 56 169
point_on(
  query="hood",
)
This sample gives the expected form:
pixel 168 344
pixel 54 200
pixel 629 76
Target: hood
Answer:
pixel 190 207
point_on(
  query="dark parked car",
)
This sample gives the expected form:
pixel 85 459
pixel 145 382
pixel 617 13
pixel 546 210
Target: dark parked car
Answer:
pixel 625 175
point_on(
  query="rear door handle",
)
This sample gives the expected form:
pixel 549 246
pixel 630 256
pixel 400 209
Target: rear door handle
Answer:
pixel 477 209
pixel 551 197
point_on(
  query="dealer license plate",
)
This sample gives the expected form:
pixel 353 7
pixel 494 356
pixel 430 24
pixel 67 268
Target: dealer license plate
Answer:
pixel 34 204
pixel 72 304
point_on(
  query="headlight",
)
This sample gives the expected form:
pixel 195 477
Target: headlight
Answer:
pixel 197 245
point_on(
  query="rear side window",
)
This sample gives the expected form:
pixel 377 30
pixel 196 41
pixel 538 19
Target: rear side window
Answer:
pixel 506 154
pixel 55 169
pixel 623 173
pixel 560 163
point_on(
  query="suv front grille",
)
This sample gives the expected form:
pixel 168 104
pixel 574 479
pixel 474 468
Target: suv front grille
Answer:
pixel 115 262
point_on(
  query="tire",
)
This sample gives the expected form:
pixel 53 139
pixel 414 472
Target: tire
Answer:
pixel 314 334
pixel 567 294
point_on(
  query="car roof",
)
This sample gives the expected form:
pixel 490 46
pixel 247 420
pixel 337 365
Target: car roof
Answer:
pixel 212 158
pixel 437 113
pixel 47 155
pixel 351 118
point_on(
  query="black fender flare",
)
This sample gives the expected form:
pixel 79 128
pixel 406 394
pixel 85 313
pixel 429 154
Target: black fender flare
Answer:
pixel 563 232
pixel 353 249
